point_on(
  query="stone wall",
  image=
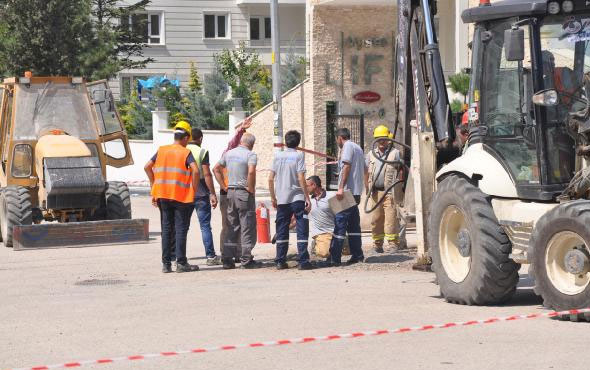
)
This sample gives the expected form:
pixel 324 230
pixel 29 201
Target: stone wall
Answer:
pixel 352 52
pixel 297 114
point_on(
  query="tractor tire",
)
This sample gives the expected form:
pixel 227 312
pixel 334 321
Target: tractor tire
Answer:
pixel 15 209
pixel 557 233
pixel 469 249
pixel 118 201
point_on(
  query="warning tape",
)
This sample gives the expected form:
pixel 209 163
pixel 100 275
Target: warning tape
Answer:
pixel 326 338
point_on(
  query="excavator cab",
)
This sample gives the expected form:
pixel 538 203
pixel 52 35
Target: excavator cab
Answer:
pixel 520 108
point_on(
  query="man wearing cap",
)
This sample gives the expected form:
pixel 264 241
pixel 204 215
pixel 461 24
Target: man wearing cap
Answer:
pixel 241 213
pixel 205 197
pixel 174 176
pixel 379 181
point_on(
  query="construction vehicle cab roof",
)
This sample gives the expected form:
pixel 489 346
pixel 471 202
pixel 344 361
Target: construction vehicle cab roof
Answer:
pixel 511 8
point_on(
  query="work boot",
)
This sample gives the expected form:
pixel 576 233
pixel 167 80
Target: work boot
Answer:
pixel 305 266
pixel 353 261
pixel 282 266
pixel 186 267
pixel 166 268
pixel 378 247
pixel 228 264
pixel 328 263
pixel 214 261
pixel 251 265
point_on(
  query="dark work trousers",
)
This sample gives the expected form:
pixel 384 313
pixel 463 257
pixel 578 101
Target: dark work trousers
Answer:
pixel 347 221
pixel 284 214
pixel 241 225
pixel 223 208
pixel 175 218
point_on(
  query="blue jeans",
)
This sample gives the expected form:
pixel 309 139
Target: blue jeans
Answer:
pixel 347 221
pixel 203 209
pixel 284 214
pixel 175 218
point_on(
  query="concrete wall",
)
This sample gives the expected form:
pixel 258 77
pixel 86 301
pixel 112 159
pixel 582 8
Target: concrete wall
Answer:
pixel 297 115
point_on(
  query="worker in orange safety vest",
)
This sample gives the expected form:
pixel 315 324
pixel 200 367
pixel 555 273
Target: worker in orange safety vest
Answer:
pixel 174 176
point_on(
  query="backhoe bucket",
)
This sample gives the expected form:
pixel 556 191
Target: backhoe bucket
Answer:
pixel 80 234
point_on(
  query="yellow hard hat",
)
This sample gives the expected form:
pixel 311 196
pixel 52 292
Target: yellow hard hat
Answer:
pixel 382 131
pixel 183 125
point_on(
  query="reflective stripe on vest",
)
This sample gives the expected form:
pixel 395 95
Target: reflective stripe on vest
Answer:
pixel 199 154
pixel 172 179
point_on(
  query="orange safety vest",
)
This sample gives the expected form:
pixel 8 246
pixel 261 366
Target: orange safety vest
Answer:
pixel 173 180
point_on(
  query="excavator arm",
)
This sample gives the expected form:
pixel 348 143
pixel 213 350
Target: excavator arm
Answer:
pixel 423 113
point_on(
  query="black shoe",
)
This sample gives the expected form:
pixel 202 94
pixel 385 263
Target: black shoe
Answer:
pixel 353 261
pixel 282 266
pixel 328 263
pixel 237 260
pixel 306 266
pixel 186 267
pixel 228 264
pixel 166 268
pixel 251 265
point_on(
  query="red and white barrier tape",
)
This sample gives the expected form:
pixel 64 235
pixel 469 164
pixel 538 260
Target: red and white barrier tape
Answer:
pixel 305 340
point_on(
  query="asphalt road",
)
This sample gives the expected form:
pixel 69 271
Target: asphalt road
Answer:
pixel 61 305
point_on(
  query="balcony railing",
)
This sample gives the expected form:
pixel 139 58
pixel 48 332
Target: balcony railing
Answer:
pixel 284 44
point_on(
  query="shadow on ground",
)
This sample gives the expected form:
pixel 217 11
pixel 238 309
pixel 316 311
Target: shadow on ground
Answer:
pixel 388 258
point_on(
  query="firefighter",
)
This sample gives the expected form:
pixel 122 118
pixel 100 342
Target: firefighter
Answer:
pixel 379 180
pixel 174 176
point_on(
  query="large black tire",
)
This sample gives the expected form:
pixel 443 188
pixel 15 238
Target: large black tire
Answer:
pixel 491 276
pixel 118 201
pixel 573 217
pixel 15 209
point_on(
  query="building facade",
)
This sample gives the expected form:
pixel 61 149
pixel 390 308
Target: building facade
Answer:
pixel 183 31
pixel 351 52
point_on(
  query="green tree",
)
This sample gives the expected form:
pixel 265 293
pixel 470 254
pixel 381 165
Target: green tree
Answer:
pixel 136 117
pixel 47 37
pixel 68 37
pixel 194 81
pixel 244 73
pixel 208 108
pixel 456 106
pixel 119 45
pixel 460 84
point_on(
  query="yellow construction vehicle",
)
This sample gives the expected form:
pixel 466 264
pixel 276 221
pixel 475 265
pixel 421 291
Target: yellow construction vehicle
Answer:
pixel 58 135
pixel 518 191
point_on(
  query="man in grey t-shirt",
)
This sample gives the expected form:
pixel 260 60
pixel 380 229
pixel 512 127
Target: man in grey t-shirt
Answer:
pixel 352 173
pixel 241 213
pixel 289 196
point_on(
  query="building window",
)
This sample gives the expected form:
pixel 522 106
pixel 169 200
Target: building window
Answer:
pixel 260 28
pixel 149 25
pixel 217 26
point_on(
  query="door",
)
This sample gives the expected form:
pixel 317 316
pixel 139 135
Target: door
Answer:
pixel 356 125
pixel 115 143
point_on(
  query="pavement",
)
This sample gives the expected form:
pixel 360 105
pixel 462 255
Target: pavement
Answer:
pixel 68 304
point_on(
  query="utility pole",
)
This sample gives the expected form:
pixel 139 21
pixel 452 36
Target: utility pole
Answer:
pixel 277 105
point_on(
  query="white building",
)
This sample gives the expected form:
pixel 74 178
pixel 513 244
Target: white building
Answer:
pixel 184 31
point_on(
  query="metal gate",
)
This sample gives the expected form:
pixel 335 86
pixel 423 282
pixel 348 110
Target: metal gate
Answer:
pixel 356 125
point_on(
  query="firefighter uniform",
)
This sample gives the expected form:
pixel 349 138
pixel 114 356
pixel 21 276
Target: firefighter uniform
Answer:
pixel 384 222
